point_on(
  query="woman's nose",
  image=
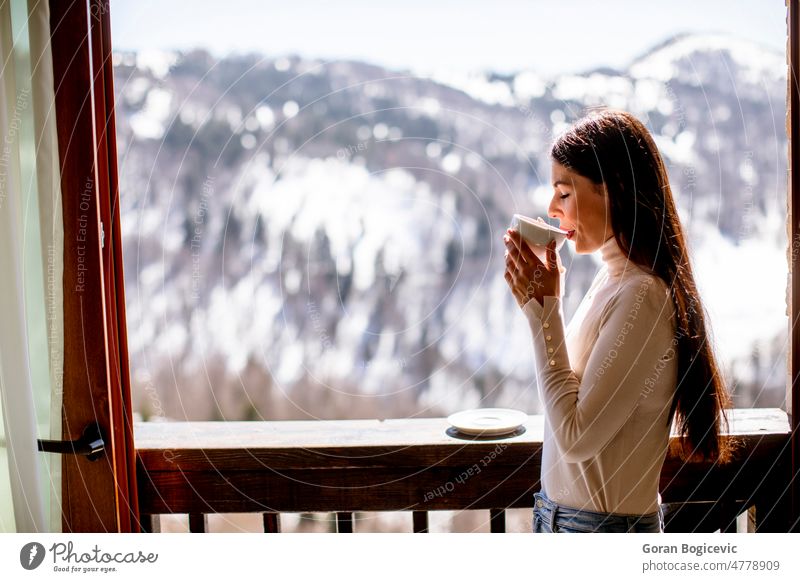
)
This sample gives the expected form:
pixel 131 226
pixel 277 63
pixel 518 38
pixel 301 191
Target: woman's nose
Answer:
pixel 553 211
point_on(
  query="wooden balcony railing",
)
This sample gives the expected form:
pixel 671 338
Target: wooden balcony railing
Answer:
pixel 416 465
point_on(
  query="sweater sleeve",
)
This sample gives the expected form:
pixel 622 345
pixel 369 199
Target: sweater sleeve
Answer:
pixel 635 331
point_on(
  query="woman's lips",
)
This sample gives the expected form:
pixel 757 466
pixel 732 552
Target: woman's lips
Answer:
pixel 571 234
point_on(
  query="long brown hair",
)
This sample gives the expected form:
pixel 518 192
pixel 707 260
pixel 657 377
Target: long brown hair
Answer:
pixel 614 149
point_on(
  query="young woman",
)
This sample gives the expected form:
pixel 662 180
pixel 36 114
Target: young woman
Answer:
pixel 635 354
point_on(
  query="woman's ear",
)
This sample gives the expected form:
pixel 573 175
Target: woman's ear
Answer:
pixel 602 188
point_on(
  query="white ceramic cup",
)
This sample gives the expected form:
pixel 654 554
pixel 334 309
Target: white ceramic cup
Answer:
pixel 537 232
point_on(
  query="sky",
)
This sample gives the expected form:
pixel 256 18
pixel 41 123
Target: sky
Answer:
pixel 549 36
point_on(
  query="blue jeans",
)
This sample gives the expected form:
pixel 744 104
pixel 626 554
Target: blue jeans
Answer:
pixel 550 517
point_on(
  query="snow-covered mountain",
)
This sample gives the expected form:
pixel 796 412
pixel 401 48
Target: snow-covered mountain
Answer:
pixel 324 239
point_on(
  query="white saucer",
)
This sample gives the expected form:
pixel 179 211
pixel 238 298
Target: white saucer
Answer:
pixel 488 421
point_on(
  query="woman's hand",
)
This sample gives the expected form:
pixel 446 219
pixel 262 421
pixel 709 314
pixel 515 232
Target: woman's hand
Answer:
pixel 526 275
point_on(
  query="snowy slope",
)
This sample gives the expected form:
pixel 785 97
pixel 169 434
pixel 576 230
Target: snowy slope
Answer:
pixel 324 240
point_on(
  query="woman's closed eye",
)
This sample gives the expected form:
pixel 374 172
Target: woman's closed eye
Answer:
pixel 563 196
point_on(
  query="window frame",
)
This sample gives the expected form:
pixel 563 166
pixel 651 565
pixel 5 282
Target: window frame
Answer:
pixel 793 231
pixel 100 495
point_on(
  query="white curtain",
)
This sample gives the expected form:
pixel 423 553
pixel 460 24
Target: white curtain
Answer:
pixel 31 272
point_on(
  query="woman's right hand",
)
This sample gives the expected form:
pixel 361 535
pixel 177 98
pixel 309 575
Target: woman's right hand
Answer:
pixel 527 276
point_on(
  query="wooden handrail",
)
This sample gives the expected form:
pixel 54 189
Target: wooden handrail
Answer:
pixel 412 465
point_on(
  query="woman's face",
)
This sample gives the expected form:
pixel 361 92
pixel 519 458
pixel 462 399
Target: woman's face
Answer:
pixel 582 206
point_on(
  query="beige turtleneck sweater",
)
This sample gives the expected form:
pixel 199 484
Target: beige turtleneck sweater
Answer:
pixel 606 383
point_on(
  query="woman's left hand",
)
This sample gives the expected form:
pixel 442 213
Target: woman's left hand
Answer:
pixel 526 275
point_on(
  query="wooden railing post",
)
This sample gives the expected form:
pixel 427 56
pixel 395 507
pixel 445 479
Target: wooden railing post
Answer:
pixel 420 521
